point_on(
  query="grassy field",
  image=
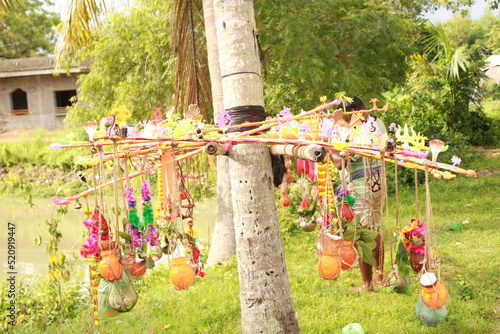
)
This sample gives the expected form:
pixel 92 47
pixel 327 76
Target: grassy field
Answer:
pixel 469 267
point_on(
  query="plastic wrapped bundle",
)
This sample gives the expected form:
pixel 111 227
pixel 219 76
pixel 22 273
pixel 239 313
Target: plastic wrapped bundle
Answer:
pixel 122 295
pixel 430 317
pixel 104 310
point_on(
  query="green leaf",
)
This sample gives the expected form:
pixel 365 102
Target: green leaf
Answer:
pixel 125 236
pixel 365 252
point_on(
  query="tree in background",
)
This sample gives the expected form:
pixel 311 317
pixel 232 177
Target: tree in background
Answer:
pixel 132 66
pixel 473 34
pixel 28 29
pixel 442 94
pixel 223 245
pixel 315 48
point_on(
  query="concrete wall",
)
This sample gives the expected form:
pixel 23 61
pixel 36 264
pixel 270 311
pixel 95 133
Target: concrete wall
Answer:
pixel 40 91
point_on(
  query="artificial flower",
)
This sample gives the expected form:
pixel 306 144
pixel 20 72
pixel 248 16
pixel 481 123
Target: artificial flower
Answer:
pixel 224 120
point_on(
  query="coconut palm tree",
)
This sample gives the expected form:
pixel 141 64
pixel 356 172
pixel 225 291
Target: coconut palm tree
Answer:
pixel 459 70
pixel 265 295
pixel 223 244
pixel 187 38
pixel 4 7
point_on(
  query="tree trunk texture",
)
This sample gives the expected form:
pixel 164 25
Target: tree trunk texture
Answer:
pixel 223 244
pixel 265 296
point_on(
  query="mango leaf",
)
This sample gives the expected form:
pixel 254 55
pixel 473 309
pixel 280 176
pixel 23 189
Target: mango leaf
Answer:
pixel 365 252
pixel 125 236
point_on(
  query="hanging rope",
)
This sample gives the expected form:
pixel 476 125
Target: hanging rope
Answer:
pixel 385 201
pixel 430 259
pixel 396 193
pixel 416 195
pixel 115 191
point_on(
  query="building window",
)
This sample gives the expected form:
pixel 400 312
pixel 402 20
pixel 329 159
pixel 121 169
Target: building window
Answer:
pixel 19 102
pixel 63 98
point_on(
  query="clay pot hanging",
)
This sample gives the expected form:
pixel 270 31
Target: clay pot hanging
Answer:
pixel 181 273
pixel 329 264
pixel 138 269
pixel 416 261
pixel 427 316
pixel 110 267
pixel 346 213
pixel 106 245
pixel 348 255
pixel 307 224
pixel 155 252
pixel 285 200
pixel 434 293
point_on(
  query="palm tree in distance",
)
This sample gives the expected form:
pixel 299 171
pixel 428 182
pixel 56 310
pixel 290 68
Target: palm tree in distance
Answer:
pixel 187 38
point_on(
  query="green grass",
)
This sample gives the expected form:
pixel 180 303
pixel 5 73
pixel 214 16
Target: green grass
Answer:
pixel 469 267
pixel 492 108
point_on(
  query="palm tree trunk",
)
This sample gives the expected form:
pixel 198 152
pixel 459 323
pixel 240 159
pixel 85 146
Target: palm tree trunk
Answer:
pixel 223 244
pixel 265 296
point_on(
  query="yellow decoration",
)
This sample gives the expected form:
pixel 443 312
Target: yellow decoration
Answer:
pixel 121 115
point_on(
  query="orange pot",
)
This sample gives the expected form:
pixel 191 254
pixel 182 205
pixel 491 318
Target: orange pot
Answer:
pixel 138 269
pixel 434 296
pixel 181 273
pixel 110 267
pixel 329 265
pixel 348 255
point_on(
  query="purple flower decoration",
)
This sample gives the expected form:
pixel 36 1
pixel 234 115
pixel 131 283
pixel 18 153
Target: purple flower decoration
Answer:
pixel 88 222
pixel 326 128
pixel 284 117
pixel 128 192
pixel 56 146
pixel 107 121
pixel 152 237
pixel 89 247
pixel 304 128
pixel 344 192
pixel 136 238
pixel 456 160
pixel 146 190
pixel 224 120
pixel 60 201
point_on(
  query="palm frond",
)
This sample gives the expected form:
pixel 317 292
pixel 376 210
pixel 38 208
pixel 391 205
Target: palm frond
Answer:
pixel 83 17
pixel 437 43
pixel 5 6
pixel 459 63
pixel 192 78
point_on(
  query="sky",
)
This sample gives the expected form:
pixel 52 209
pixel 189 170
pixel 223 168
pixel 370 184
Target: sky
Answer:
pixel 439 16
pixel 476 12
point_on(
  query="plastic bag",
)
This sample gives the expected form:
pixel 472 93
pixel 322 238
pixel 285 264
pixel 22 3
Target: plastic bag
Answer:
pixel 122 295
pixel 104 310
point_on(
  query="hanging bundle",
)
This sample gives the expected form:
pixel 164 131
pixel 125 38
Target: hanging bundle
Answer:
pixel 110 267
pixel 348 255
pixel 136 228
pixel 431 308
pixel 285 199
pixel 181 273
pixel 413 239
pixel 122 295
pixel 329 263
